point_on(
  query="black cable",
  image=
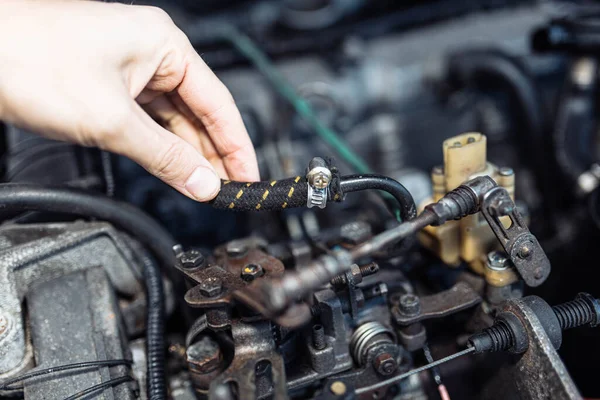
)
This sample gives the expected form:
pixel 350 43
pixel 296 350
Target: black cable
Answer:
pixel 355 183
pixel 101 386
pixel 155 327
pixel 24 197
pixel 6 385
pixel 107 170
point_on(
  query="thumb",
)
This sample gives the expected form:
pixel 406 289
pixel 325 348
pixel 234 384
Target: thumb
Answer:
pixel 165 156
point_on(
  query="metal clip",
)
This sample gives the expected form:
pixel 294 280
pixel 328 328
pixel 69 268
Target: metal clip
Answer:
pixel 521 246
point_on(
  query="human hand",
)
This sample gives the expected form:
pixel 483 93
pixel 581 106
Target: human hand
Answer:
pixel 98 73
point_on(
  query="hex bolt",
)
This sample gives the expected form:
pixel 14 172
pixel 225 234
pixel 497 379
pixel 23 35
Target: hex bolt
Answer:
pixel 338 388
pixel 204 355
pixel 318 337
pixel 191 259
pixel 410 304
pixel 496 261
pixel 385 364
pixel 252 271
pixel 211 287
pixel 236 249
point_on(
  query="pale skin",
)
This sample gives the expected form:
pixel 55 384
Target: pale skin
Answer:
pixel 125 79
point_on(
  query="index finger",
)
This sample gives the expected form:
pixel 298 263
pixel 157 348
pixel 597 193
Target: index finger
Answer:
pixel 210 101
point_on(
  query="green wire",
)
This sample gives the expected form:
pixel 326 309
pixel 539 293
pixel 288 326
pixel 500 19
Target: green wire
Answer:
pixel 249 49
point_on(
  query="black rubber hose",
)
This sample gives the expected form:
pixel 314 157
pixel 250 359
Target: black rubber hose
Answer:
pixel 293 193
pixel 24 197
pixel 155 328
pixel 355 183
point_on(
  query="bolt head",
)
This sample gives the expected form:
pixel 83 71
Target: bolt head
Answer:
pixel 191 259
pixel 252 271
pixel 385 364
pixel 211 287
pixel 503 207
pixel 205 354
pixel 319 177
pixel 497 261
pixel 410 304
pixel 236 249
pixel 506 171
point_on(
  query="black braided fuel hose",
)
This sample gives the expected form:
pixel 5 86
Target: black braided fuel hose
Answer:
pixel 293 193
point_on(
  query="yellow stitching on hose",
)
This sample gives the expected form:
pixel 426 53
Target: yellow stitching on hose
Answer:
pixel 284 205
pixel 240 193
pixel 231 205
pixel 226 182
pixel 273 183
pixel 336 197
pixel 248 184
pixel 264 197
pixel 258 206
pixel 291 192
pixel 297 179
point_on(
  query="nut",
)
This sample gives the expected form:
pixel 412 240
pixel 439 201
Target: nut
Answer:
pixel 252 271
pixel 524 251
pixel 191 259
pixel 211 287
pixel 410 304
pixel 385 364
pixel 506 171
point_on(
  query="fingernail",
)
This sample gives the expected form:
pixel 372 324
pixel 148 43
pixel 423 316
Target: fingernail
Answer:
pixel 203 184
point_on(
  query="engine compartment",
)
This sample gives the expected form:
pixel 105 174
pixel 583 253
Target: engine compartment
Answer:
pixel 429 190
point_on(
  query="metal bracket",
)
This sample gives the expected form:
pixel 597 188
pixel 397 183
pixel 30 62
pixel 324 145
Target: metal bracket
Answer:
pixel 521 246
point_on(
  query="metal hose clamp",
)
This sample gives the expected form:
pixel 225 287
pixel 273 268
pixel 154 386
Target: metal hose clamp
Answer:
pixel 318 177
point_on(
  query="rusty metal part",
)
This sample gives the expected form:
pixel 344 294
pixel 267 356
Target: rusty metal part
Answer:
pixel 217 281
pixel 521 246
pixel 192 259
pixel 538 373
pixel 205 359
pixel 460 297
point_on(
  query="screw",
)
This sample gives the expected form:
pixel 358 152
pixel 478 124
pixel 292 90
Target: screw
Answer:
pixel 503 207
pixel 236 249
pixel 505 171
pixel 470 140
pixel 385 364
pixel 585 309
pixel 338 388
pixel 318 175
pixel 437 170
pixel 456 144
pixel 410 304
pixel 251 272
pixel 496 260
pixel 178 250
pixel 191 259
pixel 211 287
pixel 204 355
pixel 524 251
